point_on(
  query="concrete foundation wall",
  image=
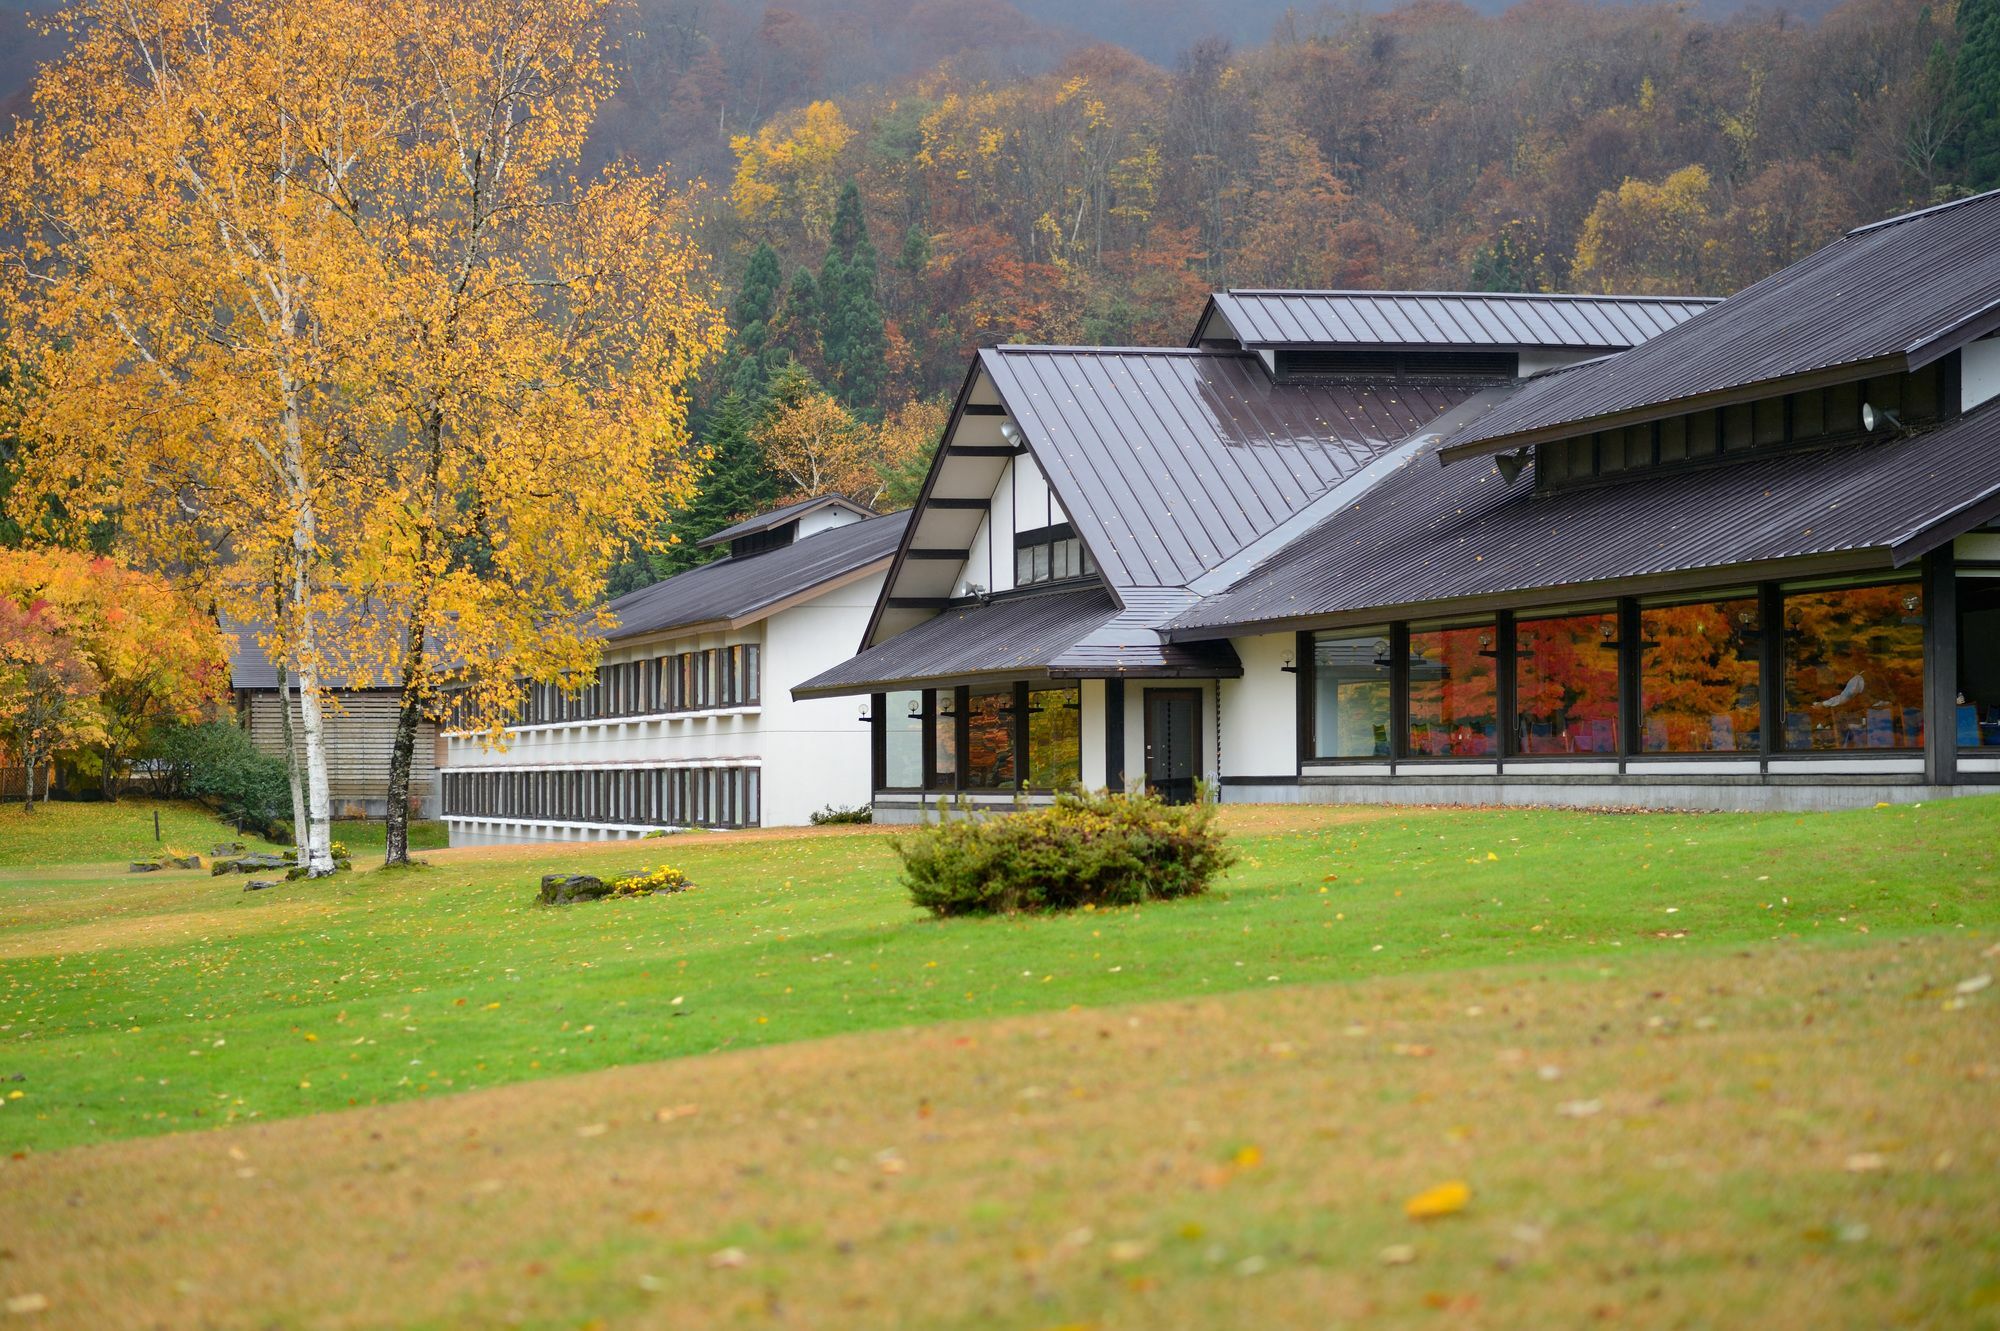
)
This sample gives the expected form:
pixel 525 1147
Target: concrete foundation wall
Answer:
pixel 1775 797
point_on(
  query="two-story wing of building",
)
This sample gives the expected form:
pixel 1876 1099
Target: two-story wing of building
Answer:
pixel 690 720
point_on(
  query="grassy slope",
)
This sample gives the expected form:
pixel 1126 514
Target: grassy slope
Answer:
pixel 78 833
pixel 1777 1135
pixel 141 1006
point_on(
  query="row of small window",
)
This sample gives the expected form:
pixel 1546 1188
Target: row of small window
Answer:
pixel 1011 738
pixel 1850 661
pixel 1793 419
pixel 719 677
pixel 1050 554
pixel 650 796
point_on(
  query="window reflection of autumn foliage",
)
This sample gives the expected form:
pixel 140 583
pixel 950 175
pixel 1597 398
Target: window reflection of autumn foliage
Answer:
pixel 1453 704
pixel 989 740
pixel 1566 684
pixel 1055 739
pixel 1698 677
pixel 1854 668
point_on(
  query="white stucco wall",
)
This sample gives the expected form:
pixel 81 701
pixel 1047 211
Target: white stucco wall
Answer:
pixel 1260 711
pixel 1978 372
pixel 815 752
pixel 1021 501
pixel 1092 721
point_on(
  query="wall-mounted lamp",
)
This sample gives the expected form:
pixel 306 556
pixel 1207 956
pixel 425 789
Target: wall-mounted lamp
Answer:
pixel 1289 663
pixel 1509 464
pixel 1874 417
pixel 1011 433
pixel 863 717
pixel 917 708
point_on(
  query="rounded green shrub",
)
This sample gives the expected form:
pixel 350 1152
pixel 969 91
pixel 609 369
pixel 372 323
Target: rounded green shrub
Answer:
pixel 1088 848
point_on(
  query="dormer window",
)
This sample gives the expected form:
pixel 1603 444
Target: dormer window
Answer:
pixel 1050 554
pixel 1811 418
pixel 756 543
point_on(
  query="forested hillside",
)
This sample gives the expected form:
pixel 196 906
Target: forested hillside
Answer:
pixel 873 238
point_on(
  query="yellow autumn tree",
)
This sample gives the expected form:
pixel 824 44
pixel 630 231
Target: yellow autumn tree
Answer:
pixel 184 298
pixel 312 288
pixel 810 440
pixel 788 172
pixel 535 341
pixel 1649 239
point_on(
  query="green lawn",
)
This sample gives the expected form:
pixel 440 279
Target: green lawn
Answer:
pixel 138 1006
pixel 82 833
pixel 366 837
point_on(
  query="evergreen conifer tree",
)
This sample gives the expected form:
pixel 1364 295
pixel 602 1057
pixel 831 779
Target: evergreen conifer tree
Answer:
pixel 854 341
pixel 1979 91
pixel 734 484
pixel 751 315
pixel 796 328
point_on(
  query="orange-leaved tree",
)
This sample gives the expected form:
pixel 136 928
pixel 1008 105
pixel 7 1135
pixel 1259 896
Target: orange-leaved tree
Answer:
pixel 155 657
pixel 48 692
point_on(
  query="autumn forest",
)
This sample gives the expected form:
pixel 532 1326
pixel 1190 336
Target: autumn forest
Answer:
pixel 874 233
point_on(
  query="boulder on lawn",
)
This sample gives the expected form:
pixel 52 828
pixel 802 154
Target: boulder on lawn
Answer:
pixel 227 848
pixel 144 866
pixel 184 861
pixel 253 863
pixel 559 889
pixel 259 884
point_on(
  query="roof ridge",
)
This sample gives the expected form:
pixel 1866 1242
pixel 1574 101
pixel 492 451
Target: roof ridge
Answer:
pixel 1915 213
pixel 1044 348
pixel 1580 296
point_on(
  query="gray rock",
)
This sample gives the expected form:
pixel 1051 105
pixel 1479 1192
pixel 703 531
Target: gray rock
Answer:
pixel 227 848
pixel 560 889
pixel 144 866
pixel 184 862
pixel 259 884
pixel 252 863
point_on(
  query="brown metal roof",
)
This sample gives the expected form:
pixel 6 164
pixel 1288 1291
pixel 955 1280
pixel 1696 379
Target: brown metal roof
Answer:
pixel 1429 536
pixel 1169 462
pixel 736 589
pixel 1895 295
pixel 1408 319
pixel 1012 636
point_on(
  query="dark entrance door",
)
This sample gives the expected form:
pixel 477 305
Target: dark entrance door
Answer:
pixel 1173 743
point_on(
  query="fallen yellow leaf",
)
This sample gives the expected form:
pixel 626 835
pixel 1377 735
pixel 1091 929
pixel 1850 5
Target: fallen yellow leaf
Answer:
pixel 1434 1203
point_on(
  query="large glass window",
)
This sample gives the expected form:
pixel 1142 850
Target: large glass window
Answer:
pixel 1699 678
pixel 1979 658
pixel 1854 667
pixel 1055 738
pixel 1454 707
pixel 903 741
pixel 989 740
pixel 1350 685
pixel 1566 684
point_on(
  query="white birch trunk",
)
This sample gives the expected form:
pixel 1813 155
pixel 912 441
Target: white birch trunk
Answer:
pixel 292 765
pixel 305 641
pixel 319 829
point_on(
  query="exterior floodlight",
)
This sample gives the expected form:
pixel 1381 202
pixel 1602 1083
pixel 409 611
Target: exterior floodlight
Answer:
pixel 1510 464
pixel 1011 433
pixel 1873 416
